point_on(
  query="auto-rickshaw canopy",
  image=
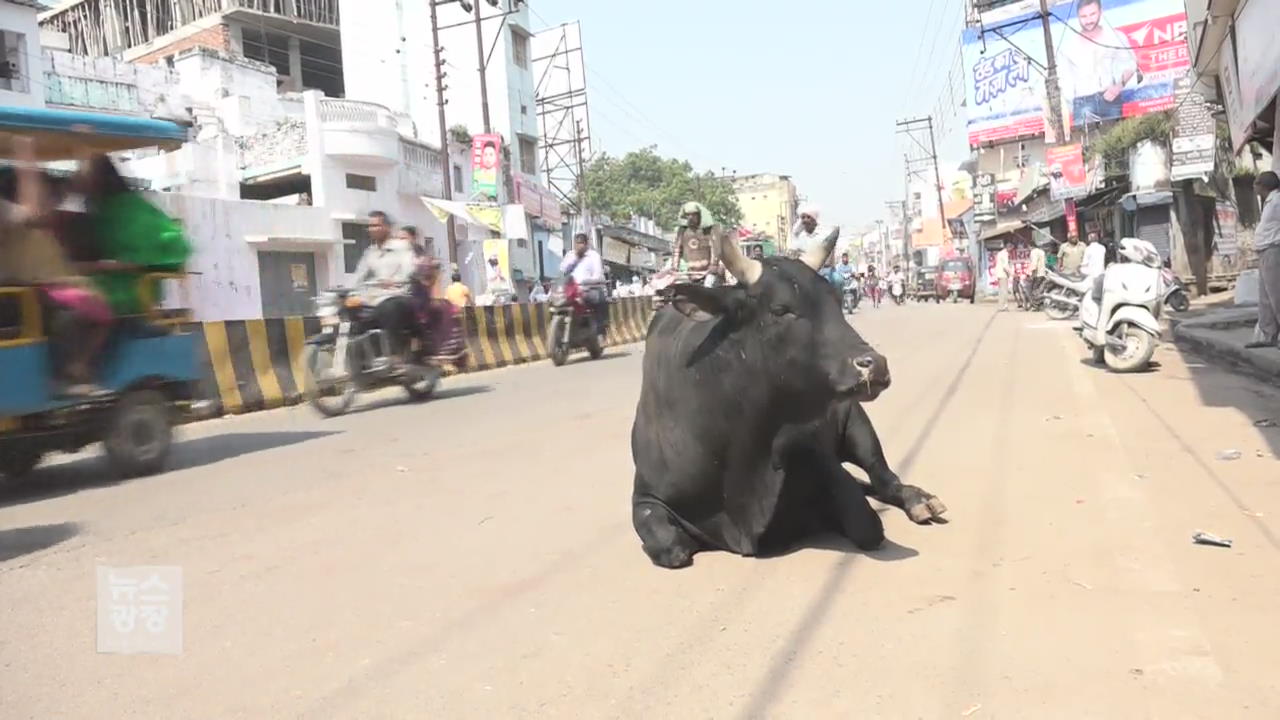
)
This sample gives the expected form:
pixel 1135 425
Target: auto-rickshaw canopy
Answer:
pixel 64 134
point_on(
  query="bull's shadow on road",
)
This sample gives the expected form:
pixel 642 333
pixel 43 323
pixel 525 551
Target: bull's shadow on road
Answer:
pixel 19 541
pixel 890 551
pixel 91 471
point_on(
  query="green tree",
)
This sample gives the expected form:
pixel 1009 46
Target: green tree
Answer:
pixel 647 184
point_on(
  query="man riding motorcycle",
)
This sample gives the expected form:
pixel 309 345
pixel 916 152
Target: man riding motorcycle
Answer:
pixel 897 279
pixel 695 243
pixel 588 271
pixel 382 279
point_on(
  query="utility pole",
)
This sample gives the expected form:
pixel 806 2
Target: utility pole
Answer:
pixel 582 175
pixel 1052 90
pixel 446 167
pixel 484 87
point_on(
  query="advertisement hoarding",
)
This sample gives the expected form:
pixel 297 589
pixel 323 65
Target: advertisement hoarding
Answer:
pixel 984 197
pixel 486 156
pixel 1194 136
pixel 1065 167
pixel 1116 58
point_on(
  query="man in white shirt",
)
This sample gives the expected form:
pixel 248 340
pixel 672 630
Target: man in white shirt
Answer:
pixel 496 282
pixel 587 269
pixel 1095 63
pixel 1266 243
pixel 1095 258
pixel 1036 267
pixel 383 277
pixel 807 232
pixel 1004 274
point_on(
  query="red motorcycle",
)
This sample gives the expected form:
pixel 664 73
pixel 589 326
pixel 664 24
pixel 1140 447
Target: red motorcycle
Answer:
pixel 573 321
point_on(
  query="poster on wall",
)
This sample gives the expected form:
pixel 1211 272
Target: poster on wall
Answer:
pixel 984 197
pixel 1225 230
pixel 1194 133
pixel 486 154
pixel 497 277
pixel 1116 59
pixel 1067 177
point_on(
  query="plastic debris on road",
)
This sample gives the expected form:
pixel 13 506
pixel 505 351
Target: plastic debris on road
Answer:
pixel 1229 454
pixel 972 709
pixel 1201 537
pixel 1265 423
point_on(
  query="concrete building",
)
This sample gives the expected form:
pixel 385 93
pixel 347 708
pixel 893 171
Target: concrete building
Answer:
pixel 769 204
pixel 20 63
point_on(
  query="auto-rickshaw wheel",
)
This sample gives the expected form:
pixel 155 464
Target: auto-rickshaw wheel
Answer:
pixel 140 434
pixel 16 461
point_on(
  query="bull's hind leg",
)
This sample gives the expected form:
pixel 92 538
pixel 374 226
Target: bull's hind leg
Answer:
pixel 663 539
pixel 859 444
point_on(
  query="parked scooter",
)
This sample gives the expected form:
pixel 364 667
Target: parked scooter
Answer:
pixel 350 355
pixel 573 322
pixel 1062 294
pixel 1175 292
pixel 1120 315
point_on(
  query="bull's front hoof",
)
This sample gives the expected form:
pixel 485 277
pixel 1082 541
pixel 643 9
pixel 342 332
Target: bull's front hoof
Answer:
pixel 672 558
pixel 937 508
pixel 922 507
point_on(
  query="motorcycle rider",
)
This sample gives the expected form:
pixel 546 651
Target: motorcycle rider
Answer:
pixel 897 278
pixel 588 271
pixel 382 278
pixel 696 242
pixel 843 269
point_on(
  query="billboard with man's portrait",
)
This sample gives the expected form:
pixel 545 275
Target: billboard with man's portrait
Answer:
pixel 1116 59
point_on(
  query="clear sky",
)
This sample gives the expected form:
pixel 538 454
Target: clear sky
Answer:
pixel 808 88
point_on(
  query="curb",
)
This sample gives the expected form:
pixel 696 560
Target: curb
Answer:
pixel 1261 365
pixel 253 365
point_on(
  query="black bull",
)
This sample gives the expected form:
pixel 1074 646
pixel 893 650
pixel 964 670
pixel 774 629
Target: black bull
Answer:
pixel 749 404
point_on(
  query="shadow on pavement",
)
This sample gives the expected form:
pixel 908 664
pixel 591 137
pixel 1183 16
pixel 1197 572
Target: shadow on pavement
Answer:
pixel 397 399
pixel 1219 386
pixel 890 551
pixel 92 472
pixel 16 542
pixel 608 355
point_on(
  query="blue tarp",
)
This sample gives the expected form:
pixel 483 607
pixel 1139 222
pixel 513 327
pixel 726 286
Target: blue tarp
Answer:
pixel 59 133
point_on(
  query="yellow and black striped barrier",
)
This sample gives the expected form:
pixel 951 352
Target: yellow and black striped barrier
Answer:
pixel 258 364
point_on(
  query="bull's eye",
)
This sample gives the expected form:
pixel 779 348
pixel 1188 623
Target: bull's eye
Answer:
pixel 782 311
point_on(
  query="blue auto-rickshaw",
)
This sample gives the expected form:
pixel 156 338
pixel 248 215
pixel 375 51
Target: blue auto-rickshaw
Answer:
pixel 149 367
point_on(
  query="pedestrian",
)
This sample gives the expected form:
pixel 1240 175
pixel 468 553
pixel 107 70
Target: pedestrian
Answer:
pixel 1004 274
pixel 1266 243
pixel 1071 256
pixel 1095 257
pixel 458 293
pixel 1036 268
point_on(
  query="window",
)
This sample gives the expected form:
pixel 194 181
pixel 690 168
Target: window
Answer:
pixel 520 49
pixel 524 110
pixel 13 52
pixel 457 178
pixel 355 239
pixel 528 156
pixel 362 182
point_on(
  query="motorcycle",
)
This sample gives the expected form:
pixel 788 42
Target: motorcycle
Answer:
pixel 351 354
pixel 851 296
pixel 1175 293
pixel 573 322
pixel 1120 315
pixel 1062 293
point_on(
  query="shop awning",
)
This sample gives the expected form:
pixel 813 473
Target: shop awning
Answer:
pixel 487 215
pixel 1003 228
pixel 1133 201
pixel 60 134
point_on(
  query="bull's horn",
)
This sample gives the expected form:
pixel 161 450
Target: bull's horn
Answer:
pixel 740 266
pixel 815 256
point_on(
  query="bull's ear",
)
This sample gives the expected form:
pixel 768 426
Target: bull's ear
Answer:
pixel 703 303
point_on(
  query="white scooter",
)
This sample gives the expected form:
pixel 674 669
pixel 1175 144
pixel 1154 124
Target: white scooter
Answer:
pixel 1062 294
pixel 1120 315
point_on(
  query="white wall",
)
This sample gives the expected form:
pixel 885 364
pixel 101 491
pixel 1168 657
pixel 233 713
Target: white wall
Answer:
pixel 109 84
pixel 223 281
pixel 22 19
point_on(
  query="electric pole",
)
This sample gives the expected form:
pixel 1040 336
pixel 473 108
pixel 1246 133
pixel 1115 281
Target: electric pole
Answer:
pixel 484 87
pixel 1052 90
pixel 582 175
pixel 446 167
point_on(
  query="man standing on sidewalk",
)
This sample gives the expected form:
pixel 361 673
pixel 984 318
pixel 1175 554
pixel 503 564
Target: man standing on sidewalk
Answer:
pixel 1004 273
pixel 1266 243
pixel 1071 256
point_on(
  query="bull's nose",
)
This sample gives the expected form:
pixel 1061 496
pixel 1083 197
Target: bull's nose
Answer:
pixel 866 362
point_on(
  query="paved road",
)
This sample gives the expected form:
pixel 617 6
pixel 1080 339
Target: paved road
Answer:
pixel 473 557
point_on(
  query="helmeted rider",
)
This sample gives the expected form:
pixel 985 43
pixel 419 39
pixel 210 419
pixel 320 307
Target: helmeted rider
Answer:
pixel 587 269
pixel 696 243
pixel 898 277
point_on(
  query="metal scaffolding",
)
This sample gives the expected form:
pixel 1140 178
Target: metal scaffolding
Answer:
pixel 563 113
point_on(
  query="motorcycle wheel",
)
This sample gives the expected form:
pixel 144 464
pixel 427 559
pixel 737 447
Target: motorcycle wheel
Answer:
pixel 336 399
pixel 559 349
pixel 140 434
pixel 1139 347
pixel 1058 311
pixel 16 461
pixel 594 348
pixel 1179 302
pixel 425 387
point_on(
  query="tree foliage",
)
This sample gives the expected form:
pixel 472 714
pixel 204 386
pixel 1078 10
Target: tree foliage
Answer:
pixel 646 184
pixel 1114 145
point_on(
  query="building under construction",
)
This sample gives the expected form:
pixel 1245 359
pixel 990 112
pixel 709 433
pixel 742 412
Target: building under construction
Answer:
pixel 299 38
